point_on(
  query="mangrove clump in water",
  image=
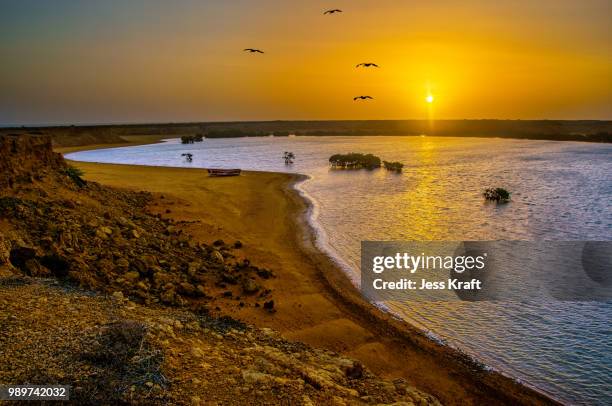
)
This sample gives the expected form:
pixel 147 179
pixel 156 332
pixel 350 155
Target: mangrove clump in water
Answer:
pixel 354 161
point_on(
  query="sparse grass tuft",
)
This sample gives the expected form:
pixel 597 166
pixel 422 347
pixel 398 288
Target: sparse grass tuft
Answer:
pixel 124 359
pixel 76 175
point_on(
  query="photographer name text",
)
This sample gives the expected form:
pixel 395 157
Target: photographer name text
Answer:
pixel 410 264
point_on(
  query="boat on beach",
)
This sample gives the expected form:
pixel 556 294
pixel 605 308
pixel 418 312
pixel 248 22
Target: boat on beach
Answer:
pixel 224 172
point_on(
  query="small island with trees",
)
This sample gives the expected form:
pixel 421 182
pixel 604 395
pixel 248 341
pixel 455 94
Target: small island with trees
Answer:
pixel 355 160
pixel 393 166
pixel 288 156
pixel 499 195
pixel 190 139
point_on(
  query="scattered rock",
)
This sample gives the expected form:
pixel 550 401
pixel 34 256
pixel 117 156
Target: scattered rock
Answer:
pixel 229 278
pixel 168 297
pixel 354 371
pixel 249 286
pixel 264 273
pixel 187 289
pixel 118 296
pixel 20 255
pixel 57 264
pixel 122 263
pixel 218 256
pixel 33 268
pixel 269 306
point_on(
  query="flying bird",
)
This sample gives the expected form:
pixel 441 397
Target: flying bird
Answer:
pixel 362 98
pixel 336 10
pixel 367 65
pixel 253 50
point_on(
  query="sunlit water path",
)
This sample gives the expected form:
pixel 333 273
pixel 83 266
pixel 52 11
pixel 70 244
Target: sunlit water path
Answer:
pixel 561 191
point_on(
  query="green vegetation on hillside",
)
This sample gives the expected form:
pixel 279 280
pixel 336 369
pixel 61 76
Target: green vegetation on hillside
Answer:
pixel 76 175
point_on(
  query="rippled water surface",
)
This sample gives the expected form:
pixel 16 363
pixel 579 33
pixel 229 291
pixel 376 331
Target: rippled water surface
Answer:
pixel 561 191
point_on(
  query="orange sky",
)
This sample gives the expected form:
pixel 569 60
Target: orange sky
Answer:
pixel 156 61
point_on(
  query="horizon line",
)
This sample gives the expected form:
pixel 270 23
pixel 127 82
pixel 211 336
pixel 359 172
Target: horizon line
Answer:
pixel 138 123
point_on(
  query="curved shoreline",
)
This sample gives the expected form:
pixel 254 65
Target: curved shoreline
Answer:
pixel 482 383
pixel 325 249
pixel 321 241
pixel 339 282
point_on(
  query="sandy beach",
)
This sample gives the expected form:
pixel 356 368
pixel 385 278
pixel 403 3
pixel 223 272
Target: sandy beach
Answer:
pixel 316 303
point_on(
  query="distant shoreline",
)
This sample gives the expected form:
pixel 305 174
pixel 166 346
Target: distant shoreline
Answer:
pixel 552 130
pixel 227 122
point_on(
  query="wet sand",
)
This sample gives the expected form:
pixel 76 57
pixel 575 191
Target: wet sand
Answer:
pixel 315 301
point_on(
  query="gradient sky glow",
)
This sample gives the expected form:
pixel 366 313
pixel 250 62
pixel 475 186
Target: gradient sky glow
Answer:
pixel 116 61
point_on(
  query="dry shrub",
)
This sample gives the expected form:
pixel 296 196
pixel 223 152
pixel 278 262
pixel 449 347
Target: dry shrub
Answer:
pixel 125 362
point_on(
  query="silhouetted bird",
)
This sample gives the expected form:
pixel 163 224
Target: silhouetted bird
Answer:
pixel 362 98
pixel 336 10
pixel 367 65
pixel 252 50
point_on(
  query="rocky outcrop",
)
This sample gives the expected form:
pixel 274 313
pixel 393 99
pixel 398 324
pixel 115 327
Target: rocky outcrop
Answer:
pixel 105 239
pixel 24 158
pixel 5 252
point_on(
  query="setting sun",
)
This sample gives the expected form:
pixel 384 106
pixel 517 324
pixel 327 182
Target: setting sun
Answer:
pixel 429 99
